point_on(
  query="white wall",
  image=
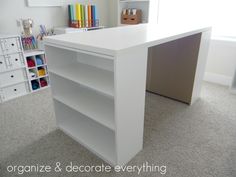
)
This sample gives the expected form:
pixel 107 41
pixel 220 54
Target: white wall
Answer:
pixel 10 10
pixel 112 13
pixel 221 61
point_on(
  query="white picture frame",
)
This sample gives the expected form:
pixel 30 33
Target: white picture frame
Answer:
pixel 44 3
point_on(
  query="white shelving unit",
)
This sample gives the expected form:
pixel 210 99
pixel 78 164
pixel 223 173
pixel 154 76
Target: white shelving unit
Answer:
pixel 87 103
pixel 84 90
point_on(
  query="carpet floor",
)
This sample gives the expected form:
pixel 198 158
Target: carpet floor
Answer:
pixel 191 141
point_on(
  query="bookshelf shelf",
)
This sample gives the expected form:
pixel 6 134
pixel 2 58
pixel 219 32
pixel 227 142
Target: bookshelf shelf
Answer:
pixel 95 106
pixel 100 140
pixel 83 69
pixel 88 76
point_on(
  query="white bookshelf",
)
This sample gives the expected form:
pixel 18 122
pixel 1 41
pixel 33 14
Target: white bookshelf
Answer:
pixel 83 92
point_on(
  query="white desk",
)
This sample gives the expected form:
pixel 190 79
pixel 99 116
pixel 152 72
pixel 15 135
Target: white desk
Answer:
pixel 98 81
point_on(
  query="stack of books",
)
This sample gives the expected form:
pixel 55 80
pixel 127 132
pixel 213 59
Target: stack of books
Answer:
pixel 82 16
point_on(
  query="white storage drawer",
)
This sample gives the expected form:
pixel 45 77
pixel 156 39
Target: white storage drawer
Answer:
pixel 16 60
pixel 14 91
pixel 10 45
pixel 11 61
pixel 3 65
pixel 12 77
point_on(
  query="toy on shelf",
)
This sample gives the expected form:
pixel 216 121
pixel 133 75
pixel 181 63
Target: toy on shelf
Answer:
pixel 32 74
pixel 35 84
pixel 39 60
pixel 26 26
pixel 27 38
pixel 30 62
pixel 43 82
pixel 41 72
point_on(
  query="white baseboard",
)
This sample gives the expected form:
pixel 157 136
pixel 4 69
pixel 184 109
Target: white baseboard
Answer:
pixel 218 79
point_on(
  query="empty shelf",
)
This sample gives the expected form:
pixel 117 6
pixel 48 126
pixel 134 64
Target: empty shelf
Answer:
pixel 93 105
pixel 92 135
pixel 89 76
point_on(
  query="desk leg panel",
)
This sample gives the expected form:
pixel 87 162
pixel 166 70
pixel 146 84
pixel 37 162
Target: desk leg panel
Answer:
pixel 201 65
pixel 130 81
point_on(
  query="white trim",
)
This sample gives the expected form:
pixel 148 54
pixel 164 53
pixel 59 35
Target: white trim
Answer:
pixel 218 78
pixel 233 84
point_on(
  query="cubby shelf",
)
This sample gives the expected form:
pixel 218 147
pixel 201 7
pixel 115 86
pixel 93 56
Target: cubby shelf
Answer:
pixel 37 66
pixel 39 77
pixel 95 106
pixel 33 53
pixel 34 81
pixel 100 140
pixel 42 88
pixel 89 76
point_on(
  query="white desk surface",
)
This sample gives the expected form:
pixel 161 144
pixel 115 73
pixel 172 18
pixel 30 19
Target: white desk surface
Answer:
pixel 109 41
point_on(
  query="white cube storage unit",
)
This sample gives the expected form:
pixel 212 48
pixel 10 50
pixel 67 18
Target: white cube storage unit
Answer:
pixel 13 75
pixel 37 71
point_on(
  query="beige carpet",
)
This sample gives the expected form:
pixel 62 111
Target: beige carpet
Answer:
pixel 192 141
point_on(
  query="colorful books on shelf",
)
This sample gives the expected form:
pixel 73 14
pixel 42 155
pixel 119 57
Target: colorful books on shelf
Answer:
pixel 82 16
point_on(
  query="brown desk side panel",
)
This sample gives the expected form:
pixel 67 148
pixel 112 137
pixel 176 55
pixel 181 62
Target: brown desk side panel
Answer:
pixel 172 67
